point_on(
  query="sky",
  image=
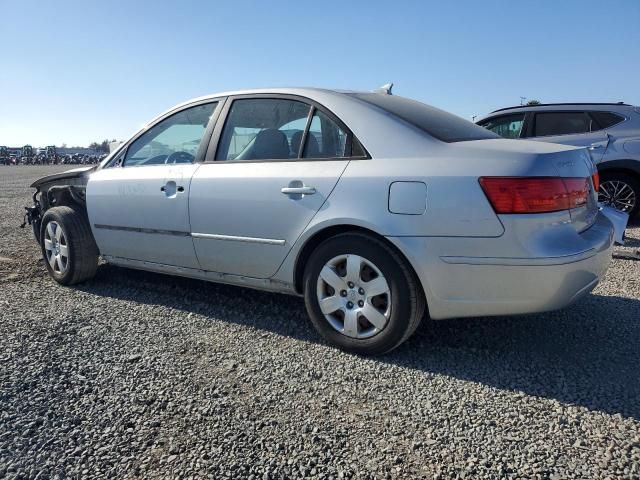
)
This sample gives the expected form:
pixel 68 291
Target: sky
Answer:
pixel 75 72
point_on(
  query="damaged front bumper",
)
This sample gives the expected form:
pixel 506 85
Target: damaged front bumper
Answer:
pixel 33 216
pixel 65 188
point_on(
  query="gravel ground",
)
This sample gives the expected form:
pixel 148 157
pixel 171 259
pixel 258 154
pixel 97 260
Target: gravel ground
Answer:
pixel 142 375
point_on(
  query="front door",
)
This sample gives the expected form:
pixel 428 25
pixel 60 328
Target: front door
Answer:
pixel 276 163
pixel 139 207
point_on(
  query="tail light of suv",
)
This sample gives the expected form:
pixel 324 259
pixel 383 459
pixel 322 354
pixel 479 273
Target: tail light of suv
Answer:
pixel 535 194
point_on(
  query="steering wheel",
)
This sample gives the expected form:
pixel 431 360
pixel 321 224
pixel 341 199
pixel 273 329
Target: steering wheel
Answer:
pixel 179 157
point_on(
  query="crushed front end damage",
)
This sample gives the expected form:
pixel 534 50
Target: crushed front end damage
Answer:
pixel 66 188
pixel 33 214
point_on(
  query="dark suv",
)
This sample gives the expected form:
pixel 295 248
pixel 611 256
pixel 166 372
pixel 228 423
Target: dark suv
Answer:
pixel 611 132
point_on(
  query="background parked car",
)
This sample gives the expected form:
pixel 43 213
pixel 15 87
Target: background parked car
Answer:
pixel 611 131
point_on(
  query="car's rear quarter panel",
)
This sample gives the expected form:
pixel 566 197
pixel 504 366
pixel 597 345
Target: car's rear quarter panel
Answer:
pixel 458 219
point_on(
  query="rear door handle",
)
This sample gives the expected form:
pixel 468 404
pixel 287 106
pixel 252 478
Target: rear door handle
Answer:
pixel 298 190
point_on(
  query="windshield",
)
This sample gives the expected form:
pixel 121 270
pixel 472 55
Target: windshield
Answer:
pixel 439 124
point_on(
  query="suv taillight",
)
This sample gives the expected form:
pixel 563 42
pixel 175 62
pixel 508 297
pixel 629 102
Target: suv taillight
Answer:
pixel 535 194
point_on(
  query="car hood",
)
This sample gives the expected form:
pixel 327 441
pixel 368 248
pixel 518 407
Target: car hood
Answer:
pixel 63 176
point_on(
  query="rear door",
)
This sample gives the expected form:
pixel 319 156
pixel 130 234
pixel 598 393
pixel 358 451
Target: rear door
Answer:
pixel 270 168
pixel 139 205
pixel 569 128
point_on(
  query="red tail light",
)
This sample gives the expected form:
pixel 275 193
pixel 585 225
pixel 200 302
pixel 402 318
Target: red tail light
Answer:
pixel 534 194
pixel 596 181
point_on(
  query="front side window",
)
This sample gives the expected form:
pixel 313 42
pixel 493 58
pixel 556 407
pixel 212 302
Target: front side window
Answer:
pixel 507 126
pixel 561 123
pixel 175 139
pixel 263 129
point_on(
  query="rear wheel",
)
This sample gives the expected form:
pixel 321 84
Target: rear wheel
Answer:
pixel 361 295
pixel 620 191
pixel 68 248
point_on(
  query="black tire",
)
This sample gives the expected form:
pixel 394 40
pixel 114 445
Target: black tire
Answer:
pixel 407 298
pixel 35 225
pixel 82 259
pixel 631 181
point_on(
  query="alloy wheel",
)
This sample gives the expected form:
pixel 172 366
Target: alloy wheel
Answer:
pixel 617 194
pixel 354 296
pixel 56 247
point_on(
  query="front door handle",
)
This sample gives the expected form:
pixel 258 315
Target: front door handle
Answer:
pixel 170 189
pixel 594 146
pixel 298 190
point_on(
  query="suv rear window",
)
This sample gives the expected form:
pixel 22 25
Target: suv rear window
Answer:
pixel 607 119
pixel 439 124
pixel 561 123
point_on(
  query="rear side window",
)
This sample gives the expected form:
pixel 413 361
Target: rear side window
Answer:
pixel 439 124
pixel 562 123
pixel 607 119
pixel 263 128
pixel 507 126
pixel 324 139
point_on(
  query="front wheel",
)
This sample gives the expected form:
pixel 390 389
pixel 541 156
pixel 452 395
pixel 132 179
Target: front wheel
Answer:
pixel 361 295
pixel 68 248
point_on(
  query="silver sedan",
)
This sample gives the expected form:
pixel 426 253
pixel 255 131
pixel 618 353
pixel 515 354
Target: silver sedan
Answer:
pixel 378 209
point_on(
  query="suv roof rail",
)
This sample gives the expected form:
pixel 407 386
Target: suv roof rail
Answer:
pixel 560 104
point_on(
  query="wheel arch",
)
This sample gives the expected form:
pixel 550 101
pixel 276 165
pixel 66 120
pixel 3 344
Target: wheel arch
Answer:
pixel 313 241
pixel 60 195
pixel 630 167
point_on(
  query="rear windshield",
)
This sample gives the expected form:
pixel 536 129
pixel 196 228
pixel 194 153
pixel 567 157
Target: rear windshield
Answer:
pixel 437 123
pixel 607 119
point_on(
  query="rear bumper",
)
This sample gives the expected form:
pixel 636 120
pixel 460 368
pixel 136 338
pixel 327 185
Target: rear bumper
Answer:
pixel 457 284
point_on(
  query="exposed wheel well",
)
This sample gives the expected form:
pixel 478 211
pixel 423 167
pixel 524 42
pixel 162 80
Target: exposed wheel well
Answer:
pixel 64 195
pixel 626 171
pixel 329 232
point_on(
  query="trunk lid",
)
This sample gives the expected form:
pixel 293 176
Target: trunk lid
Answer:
pixel 580 165
pixel 525 158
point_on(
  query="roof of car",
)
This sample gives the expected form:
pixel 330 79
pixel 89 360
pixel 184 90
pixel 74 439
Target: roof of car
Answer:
pixel 281 90
pixel 310 92
pixel 567 104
